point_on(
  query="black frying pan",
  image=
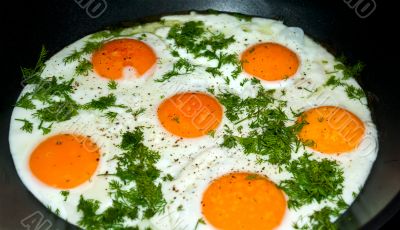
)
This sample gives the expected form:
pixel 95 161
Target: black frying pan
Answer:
pixel 342 26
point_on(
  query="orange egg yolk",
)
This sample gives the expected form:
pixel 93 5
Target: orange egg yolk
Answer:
pixel 270 61
pixel 190 114
pixel 243 201
pixel 110 60
pixel 64 161
pixel 331 129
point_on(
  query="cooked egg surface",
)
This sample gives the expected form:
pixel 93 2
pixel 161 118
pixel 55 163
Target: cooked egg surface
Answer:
pixel 270 61
pixel 171 94
pixel 110 60
pixel 227 197
pixel 332 129
pixel 190 114
pixel 64 161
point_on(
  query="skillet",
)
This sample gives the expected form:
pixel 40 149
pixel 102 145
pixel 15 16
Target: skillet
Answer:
pixel 335 24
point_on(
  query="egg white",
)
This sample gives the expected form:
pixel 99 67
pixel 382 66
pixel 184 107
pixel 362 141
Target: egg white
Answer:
pixel 193 163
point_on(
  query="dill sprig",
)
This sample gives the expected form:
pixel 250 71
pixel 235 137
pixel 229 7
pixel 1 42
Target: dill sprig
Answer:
pixel 83 67
pixel 321 219
pixel 27 126
pixel 112 84
pixel 52 92
pixel 111 116
pixel 65 194
pixel 181 67
pixel 348 71
pixel 102 103
pixel 47 89
pixel 58 111
pixel 135 165
pixel 270 135
pixel 32 75
pixel 199 41
pixel 354 93
pixel 312 180
pixel 138 112
pixel 25 102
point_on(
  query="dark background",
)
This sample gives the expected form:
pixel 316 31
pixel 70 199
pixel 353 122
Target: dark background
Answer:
pixel 27 25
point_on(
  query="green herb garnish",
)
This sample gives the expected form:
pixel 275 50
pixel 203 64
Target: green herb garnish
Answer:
pixel 83 67
pixel 354 93
pixel 270 135
pixel 102 103
pixel 348 72
pixel 58 111
pixel 138 112
pixel 112 84
pixel 199 221
pixel 199 41
pixel 32 75
pixel 312 180
pixel 65 194
pixel 136 165
pixel 25 102
pixel 111 116
pixel 181 67
pixel 27 126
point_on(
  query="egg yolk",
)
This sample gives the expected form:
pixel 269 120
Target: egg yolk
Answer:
pixel 64 161
pixel 331 129
pixel 243 201
pixel 110 60
pixel 190 114
pixel 270 61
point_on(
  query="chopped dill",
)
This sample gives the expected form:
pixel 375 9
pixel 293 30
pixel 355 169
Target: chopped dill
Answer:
pixel 181 67
pixel 312 180
pixel 333 81
pixel 269 135
pixel 354 93
pixel 58 111
pixel 199 221
pixel 53 92
pixel 321 219
pixel 138 112
pixel 199 41
pixel 180 208
pixel 47 89
pixel 214 71
pixel 25 102
pixel 32 75
pixel 65 194
pixel 91 46
pixel 102 103
pixel 112 84
pixel 135 165
pixel 45 130
pixel 348 71
pixel 27 126
pixel 168 177
pixel 243 82
pixel 111 116
pixel 83 67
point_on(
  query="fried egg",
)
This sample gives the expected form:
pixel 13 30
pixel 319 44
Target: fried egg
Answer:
pixel 171 93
